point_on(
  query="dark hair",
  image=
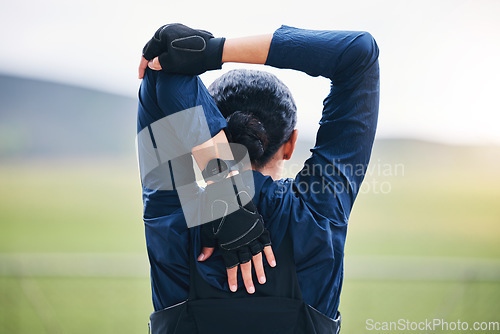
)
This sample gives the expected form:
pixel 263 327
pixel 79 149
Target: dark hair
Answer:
pixel 260 111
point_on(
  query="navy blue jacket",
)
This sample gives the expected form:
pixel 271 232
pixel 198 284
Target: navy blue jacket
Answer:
pixel 315 206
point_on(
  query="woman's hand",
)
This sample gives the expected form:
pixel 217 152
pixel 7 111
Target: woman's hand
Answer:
pixel 251 50
pixel 183 50
pixel 153 64
pixel 246 268
pixel 237 228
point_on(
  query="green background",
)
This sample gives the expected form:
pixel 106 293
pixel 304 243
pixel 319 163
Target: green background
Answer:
pixel 423 245
pixel 423 240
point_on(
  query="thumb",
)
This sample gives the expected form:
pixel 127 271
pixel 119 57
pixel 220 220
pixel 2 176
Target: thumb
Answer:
pixel 142 67
pixel 155 64
pixel 206 252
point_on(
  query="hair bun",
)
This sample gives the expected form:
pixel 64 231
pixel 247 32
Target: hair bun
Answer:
pixel 246 129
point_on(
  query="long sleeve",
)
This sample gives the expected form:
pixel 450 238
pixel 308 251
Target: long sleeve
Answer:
pixel 175 113
pixel 331 178
pixel 315 207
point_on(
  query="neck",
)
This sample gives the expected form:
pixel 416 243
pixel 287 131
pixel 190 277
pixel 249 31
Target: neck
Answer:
pixel 274 168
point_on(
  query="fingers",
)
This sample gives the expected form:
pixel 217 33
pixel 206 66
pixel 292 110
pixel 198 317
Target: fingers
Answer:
pixel 142 67
pixel 246 273
pixel 255 247
pixel 230 258
pixel 246 267
pixel 154 64
pixel 244 255
pixel 259 268
pixel 206 252
pixel 268 251
pixel 232 278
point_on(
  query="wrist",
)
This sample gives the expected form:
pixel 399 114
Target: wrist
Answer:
pixel 214 52
pixel 250 50
pixel 219 169
pixel 231 174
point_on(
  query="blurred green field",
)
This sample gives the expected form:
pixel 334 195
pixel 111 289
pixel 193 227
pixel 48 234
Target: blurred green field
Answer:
pixel 74 305
pixel 444 208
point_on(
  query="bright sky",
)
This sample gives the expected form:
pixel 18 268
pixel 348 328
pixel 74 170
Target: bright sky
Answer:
pixel 439 63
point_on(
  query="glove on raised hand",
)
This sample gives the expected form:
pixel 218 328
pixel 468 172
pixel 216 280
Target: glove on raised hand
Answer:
pixel 184 50
pixel 240 233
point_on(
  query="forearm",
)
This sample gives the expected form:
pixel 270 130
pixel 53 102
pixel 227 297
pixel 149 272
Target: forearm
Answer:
pixel 216 147
pixel 338 55
pixel 251 50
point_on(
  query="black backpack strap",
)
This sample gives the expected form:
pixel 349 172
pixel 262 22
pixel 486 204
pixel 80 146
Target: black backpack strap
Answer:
pixel 276 307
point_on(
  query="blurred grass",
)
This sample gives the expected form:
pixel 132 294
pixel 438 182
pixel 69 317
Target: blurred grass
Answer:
pixel 440 207
pixel 429 214
pixel 74 305
pixel 416 301
pixel 444 205
pixel 71 206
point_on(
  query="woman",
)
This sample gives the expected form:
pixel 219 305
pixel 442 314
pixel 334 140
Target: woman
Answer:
pixel 307 215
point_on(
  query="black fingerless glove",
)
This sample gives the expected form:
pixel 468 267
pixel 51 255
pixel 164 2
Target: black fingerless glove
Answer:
pixel 240 233
pixel 183 50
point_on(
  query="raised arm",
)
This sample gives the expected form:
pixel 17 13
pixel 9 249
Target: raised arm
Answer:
pixel 250 50
pixel 342 151
pixel 178 116
pixel 340 157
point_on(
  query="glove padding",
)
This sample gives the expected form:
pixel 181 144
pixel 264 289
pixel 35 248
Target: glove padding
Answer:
pixel 183 50
pixel 240 233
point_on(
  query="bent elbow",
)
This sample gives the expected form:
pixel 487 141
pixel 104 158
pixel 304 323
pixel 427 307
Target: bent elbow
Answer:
pixel 365 46
pixel 360 55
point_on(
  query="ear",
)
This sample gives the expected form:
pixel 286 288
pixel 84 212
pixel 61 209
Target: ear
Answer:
pixel 289 146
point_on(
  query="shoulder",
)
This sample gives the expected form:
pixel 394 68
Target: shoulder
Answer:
pixel 284 201
pixel 270 194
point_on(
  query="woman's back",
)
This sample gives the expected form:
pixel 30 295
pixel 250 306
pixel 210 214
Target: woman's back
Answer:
pixel 315 206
